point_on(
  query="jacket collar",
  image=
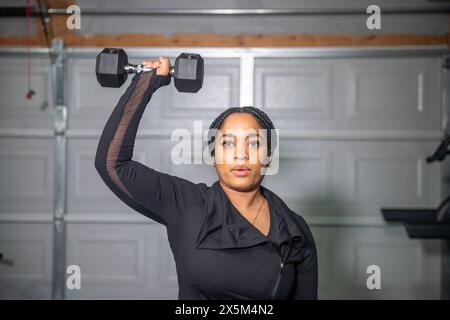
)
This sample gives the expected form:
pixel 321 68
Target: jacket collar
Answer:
pixel 224 227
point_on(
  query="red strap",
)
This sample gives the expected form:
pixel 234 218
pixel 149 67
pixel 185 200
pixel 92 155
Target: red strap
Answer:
pixel 30 92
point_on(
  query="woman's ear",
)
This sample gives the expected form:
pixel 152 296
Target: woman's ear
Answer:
pixel 269 162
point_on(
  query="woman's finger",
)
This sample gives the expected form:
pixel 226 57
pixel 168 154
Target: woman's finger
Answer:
pixel 151 63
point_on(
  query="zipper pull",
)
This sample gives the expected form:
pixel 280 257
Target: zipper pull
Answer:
pixel 277 282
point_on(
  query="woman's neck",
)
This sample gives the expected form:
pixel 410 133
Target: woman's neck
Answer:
pixel 243 199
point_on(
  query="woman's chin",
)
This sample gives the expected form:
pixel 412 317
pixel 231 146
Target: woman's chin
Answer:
pixel 241 183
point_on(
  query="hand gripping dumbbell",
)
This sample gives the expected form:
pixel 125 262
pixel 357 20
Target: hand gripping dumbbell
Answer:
pixel 112 69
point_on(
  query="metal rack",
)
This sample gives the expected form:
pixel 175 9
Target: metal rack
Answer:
pixel 432 9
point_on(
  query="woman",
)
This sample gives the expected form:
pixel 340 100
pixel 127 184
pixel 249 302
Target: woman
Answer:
pixel 233 240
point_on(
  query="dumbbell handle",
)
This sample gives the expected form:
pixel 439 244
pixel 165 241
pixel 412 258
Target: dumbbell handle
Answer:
pixel 139 68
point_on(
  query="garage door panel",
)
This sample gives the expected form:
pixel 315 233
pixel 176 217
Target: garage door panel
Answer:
pixel 26 266
pixel 26 177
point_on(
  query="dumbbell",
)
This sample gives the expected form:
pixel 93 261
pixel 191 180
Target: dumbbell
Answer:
pixel 112 69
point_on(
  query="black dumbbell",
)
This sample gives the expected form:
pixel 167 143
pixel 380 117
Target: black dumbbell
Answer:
pixel 112 69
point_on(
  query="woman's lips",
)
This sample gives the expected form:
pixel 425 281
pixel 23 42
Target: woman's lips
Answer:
pixel 241 172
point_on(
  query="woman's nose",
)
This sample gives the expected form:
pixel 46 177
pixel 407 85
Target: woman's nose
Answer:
pixel 241 153
pixel 241 157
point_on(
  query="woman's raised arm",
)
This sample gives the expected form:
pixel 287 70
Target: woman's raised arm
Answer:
pixel 157 195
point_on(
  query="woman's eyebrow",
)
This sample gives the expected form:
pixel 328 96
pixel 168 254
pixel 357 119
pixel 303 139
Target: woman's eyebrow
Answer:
pixel 230 135
pixel 227 135
pixel 250 135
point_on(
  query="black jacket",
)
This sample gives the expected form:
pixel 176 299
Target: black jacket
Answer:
pixel 218 253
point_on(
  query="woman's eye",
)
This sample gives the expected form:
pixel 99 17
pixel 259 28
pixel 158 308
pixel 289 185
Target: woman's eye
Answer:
pixel 253 144
pixel 228 144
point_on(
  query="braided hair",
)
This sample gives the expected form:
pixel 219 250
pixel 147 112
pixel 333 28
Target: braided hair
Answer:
pixel 260 116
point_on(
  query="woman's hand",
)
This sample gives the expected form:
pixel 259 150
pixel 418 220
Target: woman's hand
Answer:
pixel 162 65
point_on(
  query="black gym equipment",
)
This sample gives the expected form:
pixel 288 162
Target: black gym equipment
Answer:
pixel 112 69
pixel 442 151
pixel 426 223
pixel 421 222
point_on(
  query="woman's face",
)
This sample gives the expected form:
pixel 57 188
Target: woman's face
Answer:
pixel 240 141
